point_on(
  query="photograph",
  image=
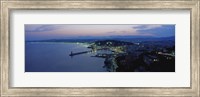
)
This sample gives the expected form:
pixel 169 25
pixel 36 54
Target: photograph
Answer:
pixel 104 48
pixel 99 47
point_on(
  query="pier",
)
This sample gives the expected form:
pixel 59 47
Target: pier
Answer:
pixel 78 53
pixel 83 52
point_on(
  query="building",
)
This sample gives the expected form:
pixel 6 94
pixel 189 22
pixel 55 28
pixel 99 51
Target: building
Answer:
pixel 149 59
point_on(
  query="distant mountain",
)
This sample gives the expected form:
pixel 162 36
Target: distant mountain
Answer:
pixel 122 38
pixel 113 37
pixel 143 38
pixel 169 38
pixel 64 40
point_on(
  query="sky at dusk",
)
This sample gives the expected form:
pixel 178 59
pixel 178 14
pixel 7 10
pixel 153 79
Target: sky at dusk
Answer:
pixel 70 31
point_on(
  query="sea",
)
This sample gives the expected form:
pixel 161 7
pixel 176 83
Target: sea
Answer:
pixel 54 57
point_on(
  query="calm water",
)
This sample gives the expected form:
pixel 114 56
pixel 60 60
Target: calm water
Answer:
pixel 54 57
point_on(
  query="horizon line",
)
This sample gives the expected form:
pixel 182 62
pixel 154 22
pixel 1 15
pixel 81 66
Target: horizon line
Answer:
pixel 101 37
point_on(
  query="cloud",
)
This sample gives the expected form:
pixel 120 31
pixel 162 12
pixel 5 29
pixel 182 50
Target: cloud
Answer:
pixel 41 27
pixel 111 32
pixel 146 27
pixel 157 30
